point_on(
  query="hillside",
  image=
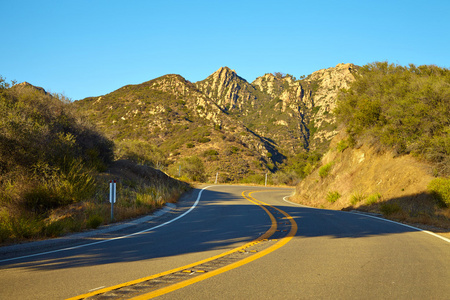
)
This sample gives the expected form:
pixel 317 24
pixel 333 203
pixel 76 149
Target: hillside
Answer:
pixel 223 122
pixel 392 155
pixel 368 180
pixel 55 168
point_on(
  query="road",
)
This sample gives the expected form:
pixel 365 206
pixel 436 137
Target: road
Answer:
pixel 238 242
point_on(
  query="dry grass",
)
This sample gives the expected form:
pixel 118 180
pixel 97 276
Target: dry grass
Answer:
pixel 373 181
pixel 140 191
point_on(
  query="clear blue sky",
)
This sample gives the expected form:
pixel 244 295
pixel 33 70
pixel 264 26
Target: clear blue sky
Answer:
pixel 91 47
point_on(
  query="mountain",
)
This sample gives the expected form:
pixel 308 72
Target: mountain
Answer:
pixel 235 127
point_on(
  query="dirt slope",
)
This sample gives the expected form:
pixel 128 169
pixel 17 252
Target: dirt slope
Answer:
pixel 374 181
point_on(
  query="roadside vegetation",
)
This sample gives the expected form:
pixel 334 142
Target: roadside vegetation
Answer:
pixel 55 168
pixel 392 115
pixel 401 108
pixel 406 109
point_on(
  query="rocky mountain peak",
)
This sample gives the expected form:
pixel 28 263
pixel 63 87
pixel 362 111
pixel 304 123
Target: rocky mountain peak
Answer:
pixel 262 122
pixel 25 86
pixel 226 88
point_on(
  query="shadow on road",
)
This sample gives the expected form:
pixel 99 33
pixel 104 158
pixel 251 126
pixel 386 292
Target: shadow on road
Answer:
pixel 222 220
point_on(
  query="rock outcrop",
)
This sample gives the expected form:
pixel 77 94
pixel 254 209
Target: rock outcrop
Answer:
pixel 269 119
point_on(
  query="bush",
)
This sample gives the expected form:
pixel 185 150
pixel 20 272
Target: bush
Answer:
pixel 254 178
pixel 325 170
pixel 440 189
pixel 356 198
pixel 43 143
pixel 204 140
pixel 55 229
pixel 141 151
pixel 342 145
pixel 285 178
pixel 193 168
pixel 390 208
pixel 333 196
pixel 94 221
pixel 399 108
pixel 372 199
pixel 210 152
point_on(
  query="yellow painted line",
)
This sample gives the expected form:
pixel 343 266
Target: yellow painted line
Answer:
pixel 173 287
pixel 234 265
pixel 266 235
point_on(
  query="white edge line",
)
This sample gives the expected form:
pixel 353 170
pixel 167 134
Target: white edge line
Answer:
pixel 112 239
pixel 382 219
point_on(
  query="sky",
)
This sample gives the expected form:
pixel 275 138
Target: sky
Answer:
pixel 89 48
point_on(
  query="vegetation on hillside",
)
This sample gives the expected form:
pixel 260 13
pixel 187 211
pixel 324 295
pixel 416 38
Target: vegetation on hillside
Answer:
pixel 168 120
pixel 394 156
pixel 52 169
pixel 402 108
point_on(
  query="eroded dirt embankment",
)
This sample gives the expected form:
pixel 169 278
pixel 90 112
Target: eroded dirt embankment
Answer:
pixel 375 181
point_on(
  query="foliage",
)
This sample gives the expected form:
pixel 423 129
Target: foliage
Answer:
pixel 285 178
pixel 373 198
pixel 204 140
pixel 94 221
pixel 390 208
pixel 325 169
pixel 356 198
pixel 193 168
pixel 302 164
pixel 440 189
pixel 254 179
pixel 47 154
pixel 50 164
pixel 333 196
pixel 342 145
pixel 404 108
pixel 141 152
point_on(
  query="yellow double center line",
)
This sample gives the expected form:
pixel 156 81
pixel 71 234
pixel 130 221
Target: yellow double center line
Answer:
pixel 218 271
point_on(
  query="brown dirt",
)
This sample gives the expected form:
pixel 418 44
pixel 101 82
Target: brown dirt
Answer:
pixel 400 180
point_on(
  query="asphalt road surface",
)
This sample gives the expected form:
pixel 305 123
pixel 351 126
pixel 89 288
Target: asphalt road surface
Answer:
pixel 235 242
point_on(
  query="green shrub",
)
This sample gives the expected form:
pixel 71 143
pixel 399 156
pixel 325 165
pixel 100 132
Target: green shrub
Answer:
pixel 210 152
pixel 94 221
pixel 193 168
pixel 234 149
pixel 254 178
pixel 25 227
pixel 325 169
pixel 204 140
pixel 440 189
pixel 55 229
pixel 141 151
pixel 372 199
pixel 333 196
pixel 390 208
pixel 356 198
pixel 5 228
pixel 397 107
pixel 342 145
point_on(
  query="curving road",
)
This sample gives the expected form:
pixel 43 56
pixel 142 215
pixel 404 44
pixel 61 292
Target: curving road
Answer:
pixel 237 243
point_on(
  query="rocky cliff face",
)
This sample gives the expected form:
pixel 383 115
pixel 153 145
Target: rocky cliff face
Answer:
pixel 325 85
pixel 297 113
pixel 227 89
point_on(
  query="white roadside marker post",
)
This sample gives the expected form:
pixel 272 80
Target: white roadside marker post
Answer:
pixel 217 176
pixel 112 196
